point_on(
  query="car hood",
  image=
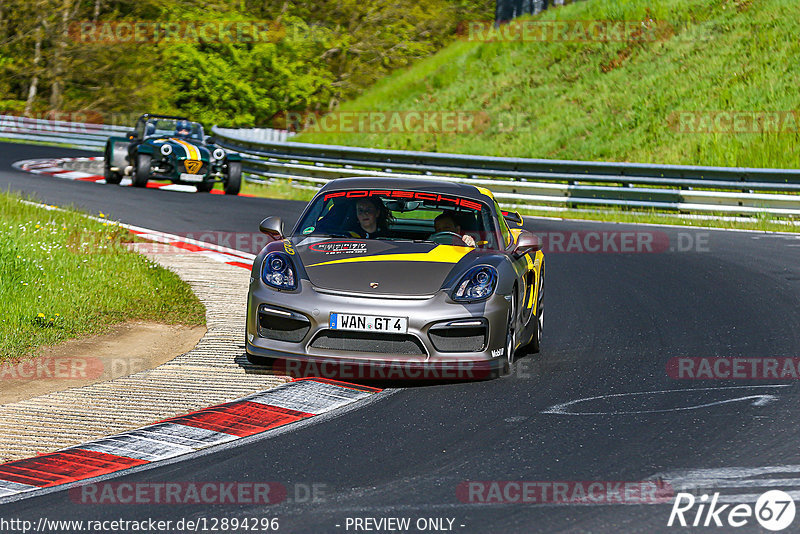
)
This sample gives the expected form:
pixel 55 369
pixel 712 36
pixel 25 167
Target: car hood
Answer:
pixel 184 148
pixel 378 266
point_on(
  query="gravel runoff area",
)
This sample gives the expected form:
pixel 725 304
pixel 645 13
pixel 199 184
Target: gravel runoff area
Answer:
pixel 215 371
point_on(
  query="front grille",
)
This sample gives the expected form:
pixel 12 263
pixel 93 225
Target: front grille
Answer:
pixel 450 337
pixel 381 343
pixel 282 325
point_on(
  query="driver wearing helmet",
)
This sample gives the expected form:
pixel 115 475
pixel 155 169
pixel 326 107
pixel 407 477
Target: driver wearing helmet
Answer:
pixel 183 128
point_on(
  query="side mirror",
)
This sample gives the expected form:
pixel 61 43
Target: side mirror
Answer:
pixel 513 216
pixel 273 227
pixel 527 242
pixel 131 135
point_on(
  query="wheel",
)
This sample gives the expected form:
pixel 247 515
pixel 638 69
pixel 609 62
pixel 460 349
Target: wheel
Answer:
pixel 141 173
pixel 511 330
pixel 205 187
pixel 112 177
pixel 533 347
pixel 233 181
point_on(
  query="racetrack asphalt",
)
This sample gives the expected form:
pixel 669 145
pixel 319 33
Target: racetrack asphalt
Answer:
pixel 613 321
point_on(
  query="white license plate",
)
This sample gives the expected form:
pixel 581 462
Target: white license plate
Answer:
pixel 191 177
pixel 369 323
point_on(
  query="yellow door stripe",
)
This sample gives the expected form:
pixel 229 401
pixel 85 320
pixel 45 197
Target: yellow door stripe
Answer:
pixel 191 150
pixel 534 284
pixel 440 254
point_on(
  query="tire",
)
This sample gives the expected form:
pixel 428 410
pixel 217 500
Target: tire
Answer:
pixel 511 334
pixel 205 187
pixel 533 346
pixel 112 177
pixel 141 173
pixel 233 181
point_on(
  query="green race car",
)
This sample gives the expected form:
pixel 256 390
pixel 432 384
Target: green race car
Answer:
pixel 162 147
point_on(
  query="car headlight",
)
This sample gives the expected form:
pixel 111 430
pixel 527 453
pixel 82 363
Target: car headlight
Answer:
pixel 277 271
pixel 218 153
pixel 477 284
pixel 166 149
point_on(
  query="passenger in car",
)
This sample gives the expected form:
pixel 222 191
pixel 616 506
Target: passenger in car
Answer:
pixel 447 223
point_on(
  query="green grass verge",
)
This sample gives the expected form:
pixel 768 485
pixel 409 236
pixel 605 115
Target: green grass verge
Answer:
pixel 612 101
pixel 66 276
pixel 277 189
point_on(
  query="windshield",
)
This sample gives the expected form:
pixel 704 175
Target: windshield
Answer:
pixel 400 215
pixel 169 128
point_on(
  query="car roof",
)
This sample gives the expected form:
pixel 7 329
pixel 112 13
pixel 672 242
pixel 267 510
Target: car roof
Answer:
pixel 438 186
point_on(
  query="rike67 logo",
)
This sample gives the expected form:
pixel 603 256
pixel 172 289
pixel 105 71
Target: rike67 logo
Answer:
pixel 774 510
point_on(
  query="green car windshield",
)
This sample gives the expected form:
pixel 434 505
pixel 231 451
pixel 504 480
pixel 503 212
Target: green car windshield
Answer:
pixel 401 215
pixel 162 127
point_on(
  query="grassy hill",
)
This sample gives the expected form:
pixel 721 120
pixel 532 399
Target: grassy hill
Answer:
pixel 613 100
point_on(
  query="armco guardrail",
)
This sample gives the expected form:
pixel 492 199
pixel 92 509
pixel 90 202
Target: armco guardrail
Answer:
pixel 78 134
pixel 519 181
pixel 93 136
pixel 515 181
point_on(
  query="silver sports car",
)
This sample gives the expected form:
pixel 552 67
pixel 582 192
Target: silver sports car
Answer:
pixel 397 278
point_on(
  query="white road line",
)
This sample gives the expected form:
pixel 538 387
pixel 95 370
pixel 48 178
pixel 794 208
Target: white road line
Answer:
pixel 12 488
pixel 758 400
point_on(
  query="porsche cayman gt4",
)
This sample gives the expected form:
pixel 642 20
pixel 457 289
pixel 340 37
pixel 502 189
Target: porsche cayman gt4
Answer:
pixel 406 274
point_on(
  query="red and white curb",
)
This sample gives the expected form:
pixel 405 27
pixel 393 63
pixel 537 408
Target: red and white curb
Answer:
pixel 55 167
pixel 215 252
pixel 255 414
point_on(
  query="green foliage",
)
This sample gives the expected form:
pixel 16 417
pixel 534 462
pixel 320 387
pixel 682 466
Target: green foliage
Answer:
pixel 610 100
pixel 326 51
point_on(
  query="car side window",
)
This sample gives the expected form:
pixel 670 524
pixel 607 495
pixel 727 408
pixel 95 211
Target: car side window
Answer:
pixel 504 231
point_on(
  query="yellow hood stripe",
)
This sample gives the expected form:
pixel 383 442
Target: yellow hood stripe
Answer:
pixel 440 254
pixel 191 150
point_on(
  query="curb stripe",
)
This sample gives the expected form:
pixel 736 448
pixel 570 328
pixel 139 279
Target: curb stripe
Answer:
pixel 10 488
pixel 240 418
pixel 294 401
pixel 51 168
pixel 316 398
pixel 136 447
pixel 194 437
pixel 63 467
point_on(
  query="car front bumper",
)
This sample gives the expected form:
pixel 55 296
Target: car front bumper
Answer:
pixel 443 336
